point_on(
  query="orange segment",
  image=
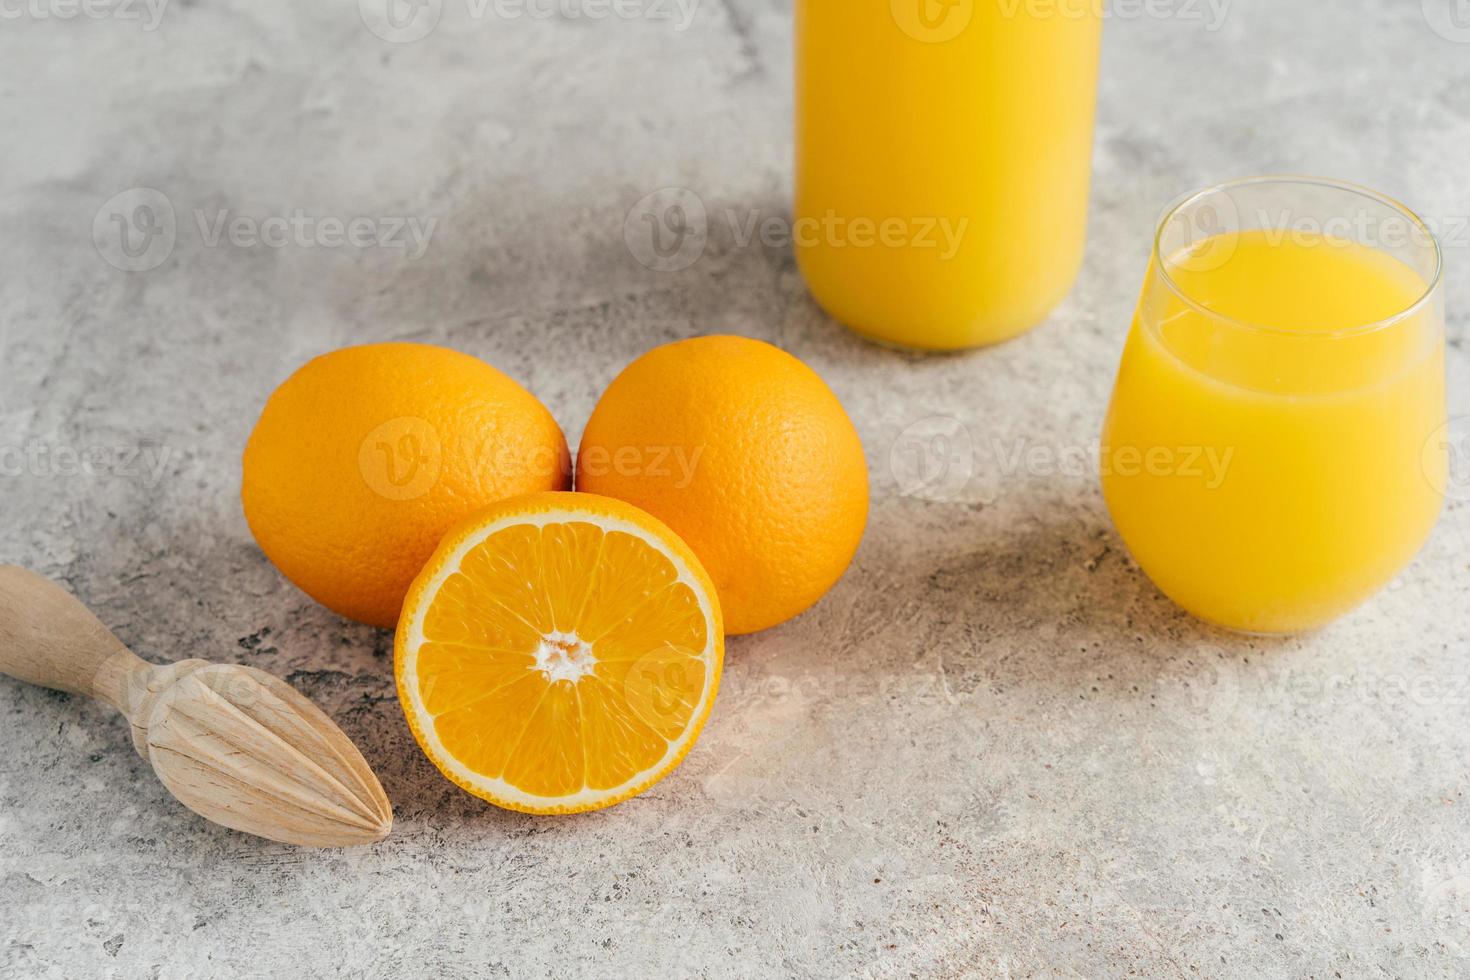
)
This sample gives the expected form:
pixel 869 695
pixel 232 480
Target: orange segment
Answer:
pixel 468 612
pixel 559 653
pixel 484 731
pixel 669 616
pixel 450 676
pixel 628 742
pixel 569 554
pixel 627 574
pixel 510 574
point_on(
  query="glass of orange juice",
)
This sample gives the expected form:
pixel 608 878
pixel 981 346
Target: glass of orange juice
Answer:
pixel 943 154
pixel 1274 452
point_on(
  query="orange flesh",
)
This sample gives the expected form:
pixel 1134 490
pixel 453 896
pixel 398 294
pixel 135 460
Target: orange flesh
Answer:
pixel 562 657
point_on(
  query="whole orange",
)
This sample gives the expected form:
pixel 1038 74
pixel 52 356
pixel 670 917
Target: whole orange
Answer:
pixel 366 456
pixel 746 453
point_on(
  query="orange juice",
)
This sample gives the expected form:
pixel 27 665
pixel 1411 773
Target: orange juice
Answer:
pixel 942 162
pixel 1266 455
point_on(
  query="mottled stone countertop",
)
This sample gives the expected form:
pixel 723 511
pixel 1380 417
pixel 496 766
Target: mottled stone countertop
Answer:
pixel 993 750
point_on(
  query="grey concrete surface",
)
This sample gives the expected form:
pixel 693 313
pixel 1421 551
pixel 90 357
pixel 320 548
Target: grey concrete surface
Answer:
pixel 993 750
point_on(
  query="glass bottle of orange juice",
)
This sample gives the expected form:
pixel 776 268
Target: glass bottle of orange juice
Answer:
pixel 942 161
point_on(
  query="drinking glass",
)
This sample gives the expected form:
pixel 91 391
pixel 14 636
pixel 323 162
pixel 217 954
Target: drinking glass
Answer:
pixel 1274 452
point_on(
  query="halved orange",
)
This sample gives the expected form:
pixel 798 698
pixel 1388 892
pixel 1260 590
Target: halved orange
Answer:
pixel 559 653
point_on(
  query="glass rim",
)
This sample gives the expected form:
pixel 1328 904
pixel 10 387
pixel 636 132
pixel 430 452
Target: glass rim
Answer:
pixel 1174 207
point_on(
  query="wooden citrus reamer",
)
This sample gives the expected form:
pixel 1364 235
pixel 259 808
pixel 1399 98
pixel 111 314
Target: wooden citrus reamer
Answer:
pixel 234 744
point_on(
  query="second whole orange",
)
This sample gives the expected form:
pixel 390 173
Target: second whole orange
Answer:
pixel 748 455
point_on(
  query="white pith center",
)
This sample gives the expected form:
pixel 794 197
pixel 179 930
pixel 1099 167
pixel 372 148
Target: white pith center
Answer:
pixel 564 657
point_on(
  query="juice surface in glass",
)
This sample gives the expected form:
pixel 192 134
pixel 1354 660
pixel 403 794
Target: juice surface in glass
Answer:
pixel 943 152
pixel 1268 455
